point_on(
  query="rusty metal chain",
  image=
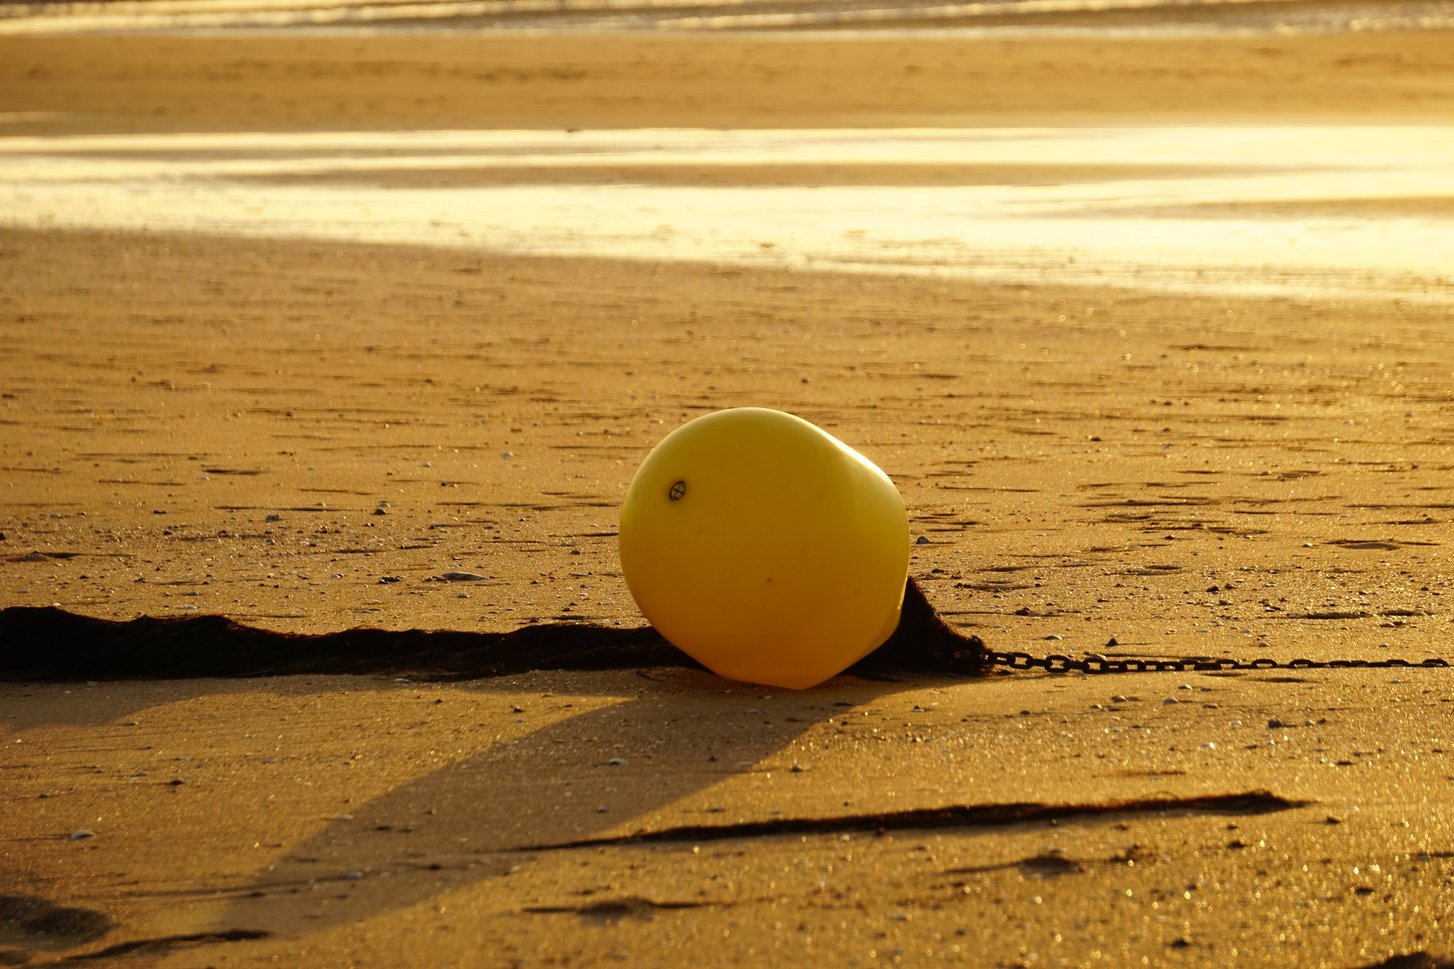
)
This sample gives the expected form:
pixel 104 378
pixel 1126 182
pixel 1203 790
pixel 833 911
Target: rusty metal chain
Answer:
pixel 1096 663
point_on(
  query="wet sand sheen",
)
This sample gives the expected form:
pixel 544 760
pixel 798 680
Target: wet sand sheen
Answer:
pixel 1179 206
pixel 1162 207
pixel 730 175
pixel 1106 17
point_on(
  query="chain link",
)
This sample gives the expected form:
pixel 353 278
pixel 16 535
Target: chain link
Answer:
pixel 1096 663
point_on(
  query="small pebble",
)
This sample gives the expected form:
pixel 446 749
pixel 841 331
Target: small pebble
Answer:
pixel 461 576
pixel 82 835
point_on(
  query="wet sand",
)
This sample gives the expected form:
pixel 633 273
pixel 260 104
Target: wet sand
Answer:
pixel 306 436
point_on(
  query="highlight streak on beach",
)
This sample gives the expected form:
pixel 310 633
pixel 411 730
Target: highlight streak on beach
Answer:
pixel 1300 164
pixel 1046 16
pixel 1297 209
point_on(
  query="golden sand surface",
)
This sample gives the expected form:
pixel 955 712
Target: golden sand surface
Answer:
pixel 187 82
pixel 305 435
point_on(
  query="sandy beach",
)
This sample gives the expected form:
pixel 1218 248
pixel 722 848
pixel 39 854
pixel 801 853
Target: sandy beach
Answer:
pixel 211 411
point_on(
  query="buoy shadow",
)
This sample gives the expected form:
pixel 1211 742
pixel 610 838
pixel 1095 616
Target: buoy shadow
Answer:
pixel 609 771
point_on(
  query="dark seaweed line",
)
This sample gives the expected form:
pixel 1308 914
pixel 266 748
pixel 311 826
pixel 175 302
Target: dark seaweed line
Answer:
pixel 50 644
pixel 47 643
pixel 951 816
pixel 162 944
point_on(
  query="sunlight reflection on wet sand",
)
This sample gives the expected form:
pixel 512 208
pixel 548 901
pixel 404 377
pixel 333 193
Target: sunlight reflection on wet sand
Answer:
pixel 1301 210
pixel 1045 16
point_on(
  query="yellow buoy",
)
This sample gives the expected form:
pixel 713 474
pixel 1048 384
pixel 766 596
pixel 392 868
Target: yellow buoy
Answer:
pixel 765 548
